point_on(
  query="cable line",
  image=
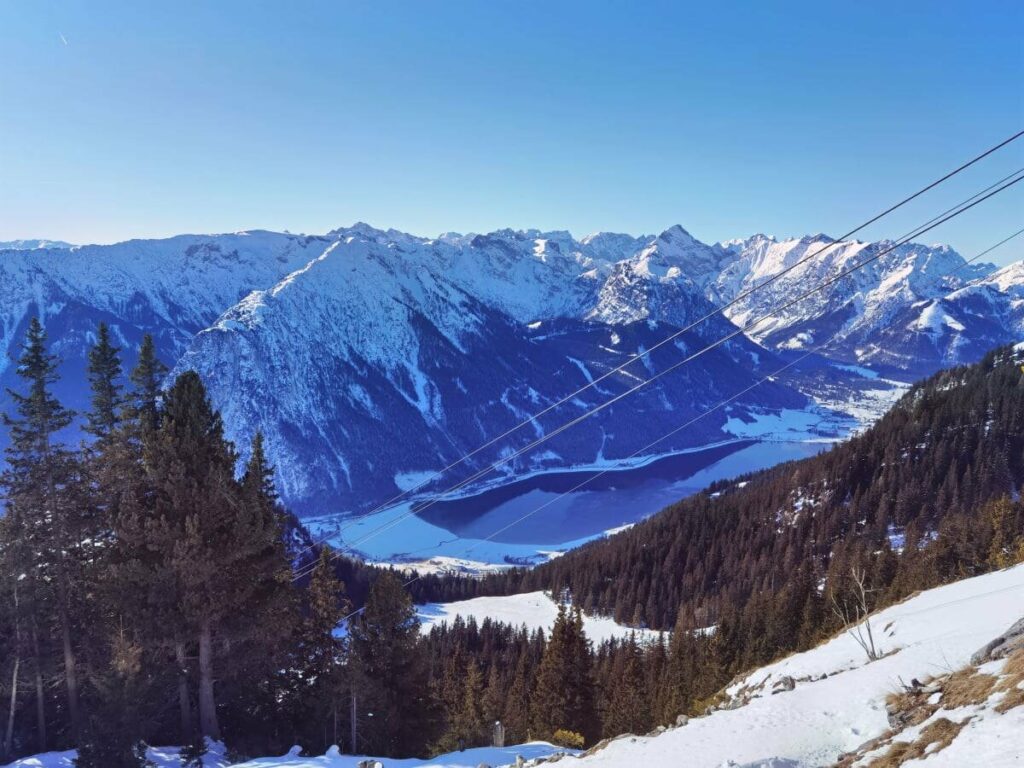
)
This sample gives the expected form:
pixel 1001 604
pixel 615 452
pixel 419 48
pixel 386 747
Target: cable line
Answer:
pixel 639 356
pixel 675 430
pixel 931 224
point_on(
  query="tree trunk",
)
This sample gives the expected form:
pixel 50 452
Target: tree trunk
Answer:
pixel 353 722
pixel 184 702
pixel 70 669
pixel 207 701
pixel 8 743
pixel 9 733
pixel 40 693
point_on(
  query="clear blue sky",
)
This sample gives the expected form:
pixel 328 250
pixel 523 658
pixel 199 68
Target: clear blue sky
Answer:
pixel 148 119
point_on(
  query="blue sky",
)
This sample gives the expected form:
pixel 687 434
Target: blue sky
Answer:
pixel 135 119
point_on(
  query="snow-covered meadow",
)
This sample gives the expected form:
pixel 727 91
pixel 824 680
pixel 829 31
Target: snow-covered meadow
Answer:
pixel 535 610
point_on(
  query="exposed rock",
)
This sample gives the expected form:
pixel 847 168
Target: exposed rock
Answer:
pixel 483 765
pixel 682 720
pixel 786 683
pixel 370 764
pixel 598 747
pixel 1002 646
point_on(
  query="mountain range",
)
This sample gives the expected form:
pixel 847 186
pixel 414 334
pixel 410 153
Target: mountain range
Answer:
pixel 371 358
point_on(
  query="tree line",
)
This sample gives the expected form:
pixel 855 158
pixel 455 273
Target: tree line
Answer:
pixel 782 559
pixel 148 594
pixel 148 590
pixel 951 444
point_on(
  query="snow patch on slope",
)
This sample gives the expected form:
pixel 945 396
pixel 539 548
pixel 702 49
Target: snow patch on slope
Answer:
pixel 535 610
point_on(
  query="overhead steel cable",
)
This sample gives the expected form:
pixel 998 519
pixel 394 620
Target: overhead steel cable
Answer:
pixel 720 310
pixel 971 202
pixel 813 350
pixel 769 377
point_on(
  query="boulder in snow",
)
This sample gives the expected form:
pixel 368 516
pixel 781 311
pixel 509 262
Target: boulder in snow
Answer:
pixel 1002 646
pixel 786 683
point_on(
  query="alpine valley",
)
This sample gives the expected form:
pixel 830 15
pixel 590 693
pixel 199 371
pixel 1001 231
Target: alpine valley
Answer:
pixel 371 359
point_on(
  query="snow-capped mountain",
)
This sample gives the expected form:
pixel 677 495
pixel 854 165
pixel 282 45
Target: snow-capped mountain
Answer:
pixel 389 356
pixel 31 245
pixel 883 314
pixel 170 288
pixel 371 357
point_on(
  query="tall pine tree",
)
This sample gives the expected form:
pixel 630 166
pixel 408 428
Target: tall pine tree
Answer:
pixel 42 493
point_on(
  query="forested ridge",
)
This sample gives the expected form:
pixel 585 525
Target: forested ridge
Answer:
pixel 782 559
pixel 149 590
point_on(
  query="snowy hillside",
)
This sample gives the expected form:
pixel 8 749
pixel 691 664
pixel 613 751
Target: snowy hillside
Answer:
pixel 884 314
pixel 534 610
pixel 807 710
pixel 31 245
pixel 170 288
pixel 838 702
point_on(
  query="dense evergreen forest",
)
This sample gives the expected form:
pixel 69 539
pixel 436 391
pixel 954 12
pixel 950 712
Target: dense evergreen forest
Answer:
pixel 148 590
pixel 951 445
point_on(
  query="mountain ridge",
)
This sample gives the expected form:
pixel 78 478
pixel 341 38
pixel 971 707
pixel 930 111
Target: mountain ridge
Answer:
pixel 376 308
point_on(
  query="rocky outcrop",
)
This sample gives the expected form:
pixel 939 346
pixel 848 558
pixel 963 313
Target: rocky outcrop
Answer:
pixel 1002 646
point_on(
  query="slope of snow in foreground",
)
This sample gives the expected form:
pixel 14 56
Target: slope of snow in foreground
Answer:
pixel 534 609
pixel 932 634
pixel 167 757
pixel 837 704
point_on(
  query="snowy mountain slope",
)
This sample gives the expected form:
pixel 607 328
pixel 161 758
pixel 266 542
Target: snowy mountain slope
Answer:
pixel 171 288
pixel 870 311
pixel 838 702
pixel 951 328
pixel 31 245
pixel 388 357
pixel 369 357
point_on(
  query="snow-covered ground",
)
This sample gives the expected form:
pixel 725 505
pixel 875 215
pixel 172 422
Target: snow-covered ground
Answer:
pixel 167 757
pixel 534 609
pixel 822 717
pixel 837 704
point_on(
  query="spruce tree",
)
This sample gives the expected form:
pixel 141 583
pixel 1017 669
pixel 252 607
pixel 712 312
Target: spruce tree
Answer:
pixel 394 709
pixel 113 733
pixel 516 717
pixel 628 709
pixel 564 695
pixel 228 556
pixel 469 724
pixel 40 481
pixel 104 379
pixel 494 696
pixel 146 378
pixel 318 692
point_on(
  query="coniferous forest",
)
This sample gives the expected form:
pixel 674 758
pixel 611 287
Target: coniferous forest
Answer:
pixel 148 589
